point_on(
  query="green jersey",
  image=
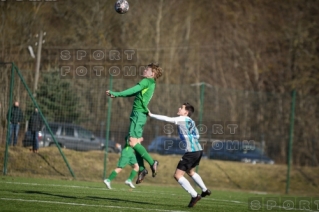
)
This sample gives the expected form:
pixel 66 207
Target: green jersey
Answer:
pixel 143 93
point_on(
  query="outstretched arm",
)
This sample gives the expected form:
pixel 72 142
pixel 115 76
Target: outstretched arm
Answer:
pixel 126 93
pixel 163 118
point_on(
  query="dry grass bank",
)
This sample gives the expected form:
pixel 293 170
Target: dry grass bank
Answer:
pixel 88 166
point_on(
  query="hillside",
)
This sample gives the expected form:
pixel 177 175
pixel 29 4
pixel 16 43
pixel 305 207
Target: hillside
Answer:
pixel 88 166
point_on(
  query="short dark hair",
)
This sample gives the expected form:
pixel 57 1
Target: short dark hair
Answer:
pixel 190 109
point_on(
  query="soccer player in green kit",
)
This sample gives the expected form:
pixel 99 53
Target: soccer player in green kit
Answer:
pixel 143 93
pixel 127 158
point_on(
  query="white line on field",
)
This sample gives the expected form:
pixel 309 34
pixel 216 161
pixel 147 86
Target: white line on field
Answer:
pixel 78 204
pixel 216 200
pixel 81 187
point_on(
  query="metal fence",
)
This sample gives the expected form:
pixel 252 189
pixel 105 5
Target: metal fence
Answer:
pixel 257 116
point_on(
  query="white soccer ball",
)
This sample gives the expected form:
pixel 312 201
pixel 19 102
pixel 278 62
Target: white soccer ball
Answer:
pixel 121 6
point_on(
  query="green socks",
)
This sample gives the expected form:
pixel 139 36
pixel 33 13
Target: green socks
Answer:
pixel 132 175
pixel 140 161
pixel 112 175
pixel 143 153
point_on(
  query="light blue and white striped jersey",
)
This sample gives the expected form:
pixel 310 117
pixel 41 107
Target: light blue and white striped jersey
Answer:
pixel 187 130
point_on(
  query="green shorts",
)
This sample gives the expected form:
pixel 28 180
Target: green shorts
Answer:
pixel 127 157
pixel 138 120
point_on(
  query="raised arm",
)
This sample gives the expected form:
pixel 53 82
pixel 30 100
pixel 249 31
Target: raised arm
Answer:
pixel 128 92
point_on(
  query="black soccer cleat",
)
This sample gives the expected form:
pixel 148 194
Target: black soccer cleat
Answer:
pixel 205 193
pixel 141 175
pixel 154 168
pixel 194 200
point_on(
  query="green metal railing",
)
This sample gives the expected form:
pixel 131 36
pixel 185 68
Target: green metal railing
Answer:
pixel 13 69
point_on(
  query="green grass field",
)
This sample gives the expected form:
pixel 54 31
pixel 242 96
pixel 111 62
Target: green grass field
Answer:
pixel 31 194
pixel 42 182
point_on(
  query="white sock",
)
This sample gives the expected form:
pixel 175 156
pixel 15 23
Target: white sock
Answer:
pixel 187 186
pixel 198 180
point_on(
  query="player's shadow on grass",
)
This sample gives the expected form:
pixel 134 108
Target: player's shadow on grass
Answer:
pixel 88 197
pixel 44 193
pixel 117 200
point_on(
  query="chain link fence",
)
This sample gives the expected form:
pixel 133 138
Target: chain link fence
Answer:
pixel 258 116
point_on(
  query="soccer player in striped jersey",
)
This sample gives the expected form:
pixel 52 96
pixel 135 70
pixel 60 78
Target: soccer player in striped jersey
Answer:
pixel 189 135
